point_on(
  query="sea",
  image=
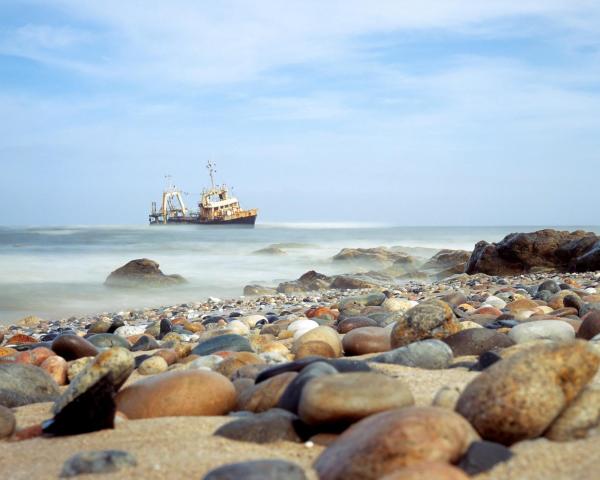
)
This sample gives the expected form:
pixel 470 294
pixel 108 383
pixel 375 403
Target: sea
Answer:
pixel 57 272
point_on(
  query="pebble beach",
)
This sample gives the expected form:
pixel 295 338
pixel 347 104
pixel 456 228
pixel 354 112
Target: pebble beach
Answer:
pixel 452 376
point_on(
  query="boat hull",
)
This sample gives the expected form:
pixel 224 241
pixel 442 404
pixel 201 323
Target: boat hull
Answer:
pixel 248 221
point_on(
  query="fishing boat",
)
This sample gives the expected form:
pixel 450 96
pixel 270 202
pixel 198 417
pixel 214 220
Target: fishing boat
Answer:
pixel 216 207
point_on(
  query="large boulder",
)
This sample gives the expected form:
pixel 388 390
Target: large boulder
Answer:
pixel 548 249
pixel 377 256
pixel 141 273
pixel 448 262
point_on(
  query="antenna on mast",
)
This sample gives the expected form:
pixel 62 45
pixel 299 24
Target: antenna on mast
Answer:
pixel 211 171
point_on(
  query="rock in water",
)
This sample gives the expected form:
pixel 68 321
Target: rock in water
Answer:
pixel 519 397
pixel 141 272
pixel 88 404
pixel 178 393
pixel 382 443
pixel 103 461
pixel 429 319
pixel 257 470
pixel 22 384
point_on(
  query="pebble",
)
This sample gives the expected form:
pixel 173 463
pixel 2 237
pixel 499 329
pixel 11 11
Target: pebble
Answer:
pixel 103 461
pixel 519 397
pixel 57 368
pixel 382 443
pixel 223 343
pixel 555 330
pixel 178 393
pixel 579 419
pixel 273 425
pixel 145 343
pixel 428 354
pixel 429 319
pixel 76 366
pixel 322 341
pixel 129 330
pixel 88 403
pixel 72 347
pixel 344 398
pixel 7 422
pixel 476 341
pixel 257 470
pixel 590 327
pixel 22 384
pixel 290 399
pixel 153 365
pixel 351 323
pixel 483 456
pixel 360 341
pixel 108 340
pixel 427 471
pixel 265 395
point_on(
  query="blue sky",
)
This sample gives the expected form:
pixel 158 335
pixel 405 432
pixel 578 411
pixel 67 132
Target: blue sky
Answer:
pixel 407 112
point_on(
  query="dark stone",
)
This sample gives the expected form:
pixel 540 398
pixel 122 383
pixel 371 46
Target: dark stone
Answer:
pixel 270 426
pixel 483 456
pixel 573 301
pixel 223 343
pixel 22 384
pixel 351 323
pixel 341 365
pixel 549 286
pixel 476 341
pixel 291 396
pixel 116 323
pixel 140 358
pixel 430 354
pixel 72 347
pixel 104 461
pixel 108 340
pixel 144 343
pixel 257 470
pixel 590 327
pixel 519 253
pixel 141 272
pixel 165 327
pixel 486 360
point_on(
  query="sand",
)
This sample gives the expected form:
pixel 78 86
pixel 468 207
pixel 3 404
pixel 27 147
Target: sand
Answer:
pixel 183 447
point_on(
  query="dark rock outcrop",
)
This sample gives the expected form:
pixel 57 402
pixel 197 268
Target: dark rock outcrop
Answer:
pixel 548 249
pixel 142 272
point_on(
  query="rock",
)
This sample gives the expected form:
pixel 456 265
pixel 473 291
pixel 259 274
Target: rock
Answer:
pixel 21 339
pixel 321 334
pixel 349 282
pixel 108 340
pixel 22 384
pixel 495 302
pixel 483 456
pixel 324 313
pixel 428 354
pixel 57 368
pixel 141 273
pixel 265 395
pixel 270 426
pixel 153 365
pixel 429 319
pixel 449 261
pixel 579 419
pixel 178 393
pixel 102 461
pixel 476 341
pixel 258 290
pixel 371 256
pixel 88 403
pixel 223 343
pixel 590 260
pixel 590 326
pixel 519 253
pixel 382 443
pixel 257 470
pixel 344 398
pixel 72 347
pixel 237 360
pixel 518 398
pixel 7 422
pixel 366 340
pixel 290 399
pixel 427 471
pixel 100 326
pixel 31 321
pixel 351 323
pixel 555 330
pixel 129 330
pixel 35 356
pixel 272 250
pixel 550 286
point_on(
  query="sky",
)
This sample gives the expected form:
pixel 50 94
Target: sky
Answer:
pixel 453 112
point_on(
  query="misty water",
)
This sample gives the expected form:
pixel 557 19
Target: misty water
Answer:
pixel 57 272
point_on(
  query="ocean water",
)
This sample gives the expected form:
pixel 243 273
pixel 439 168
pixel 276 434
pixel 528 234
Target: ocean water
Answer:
pixel 59 271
